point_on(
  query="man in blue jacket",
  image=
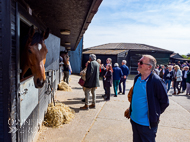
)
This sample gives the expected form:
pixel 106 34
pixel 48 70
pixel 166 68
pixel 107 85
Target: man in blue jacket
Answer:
pixel 125 71
pixel 117 74
pixel 149 100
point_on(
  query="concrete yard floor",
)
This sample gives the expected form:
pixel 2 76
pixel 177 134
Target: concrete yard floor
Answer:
pixel 106 123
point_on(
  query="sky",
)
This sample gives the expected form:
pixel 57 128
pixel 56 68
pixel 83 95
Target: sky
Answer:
pixel 160 23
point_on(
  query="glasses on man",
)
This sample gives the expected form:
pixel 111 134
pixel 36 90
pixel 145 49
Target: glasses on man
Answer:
pixel 141 63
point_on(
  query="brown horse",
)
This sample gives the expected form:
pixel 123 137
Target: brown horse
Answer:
pixel 33 56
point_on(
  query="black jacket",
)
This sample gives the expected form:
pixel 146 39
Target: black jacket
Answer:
pixel 168 75
pixel 157 98
pixel 108 79
pixel 183 73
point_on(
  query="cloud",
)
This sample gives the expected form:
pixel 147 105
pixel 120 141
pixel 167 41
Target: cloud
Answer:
pixel 165 24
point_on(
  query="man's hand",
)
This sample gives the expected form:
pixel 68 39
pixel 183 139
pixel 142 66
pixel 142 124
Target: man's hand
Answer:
pixel 126 114
pixel 125 77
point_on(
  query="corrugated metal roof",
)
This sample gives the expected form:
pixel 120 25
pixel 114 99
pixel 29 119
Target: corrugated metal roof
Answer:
pixel 105 52
pixel 127 46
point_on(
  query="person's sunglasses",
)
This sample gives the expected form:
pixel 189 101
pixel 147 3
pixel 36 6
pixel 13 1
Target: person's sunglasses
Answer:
pixel 141 63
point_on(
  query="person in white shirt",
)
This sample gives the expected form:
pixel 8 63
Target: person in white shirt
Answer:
pixel 177 79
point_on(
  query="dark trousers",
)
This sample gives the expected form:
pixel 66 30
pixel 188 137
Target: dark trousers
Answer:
pixel 176 85
pixel 143 133
pixel 183 85
pixel 107 96
pixel 124 83
pixel 104 86
pixel 66 76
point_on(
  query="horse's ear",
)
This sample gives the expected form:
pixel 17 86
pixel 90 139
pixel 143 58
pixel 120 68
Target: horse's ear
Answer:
pixel 46 34
pixel 31 31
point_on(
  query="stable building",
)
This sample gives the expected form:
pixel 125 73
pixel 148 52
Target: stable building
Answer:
pixel 22 105
pixel 131 52
pixel 175 57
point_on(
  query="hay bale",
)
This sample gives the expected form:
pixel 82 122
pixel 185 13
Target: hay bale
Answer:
pixel 58 115
pixel 64 86
pixel 69 79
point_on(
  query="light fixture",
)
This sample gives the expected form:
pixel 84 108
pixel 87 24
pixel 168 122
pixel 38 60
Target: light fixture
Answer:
pixel 68 47
pixel 65 32
pixel 67 43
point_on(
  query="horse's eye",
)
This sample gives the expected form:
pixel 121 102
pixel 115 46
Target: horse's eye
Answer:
pixel 29 51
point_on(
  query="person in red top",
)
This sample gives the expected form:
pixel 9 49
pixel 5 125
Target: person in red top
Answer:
pixel 99 61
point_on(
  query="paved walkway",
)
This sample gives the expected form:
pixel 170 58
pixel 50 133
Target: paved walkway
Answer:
pixel 106 123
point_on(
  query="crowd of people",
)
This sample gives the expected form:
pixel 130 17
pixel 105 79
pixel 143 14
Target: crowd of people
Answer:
pixel 177 75
pixel 94 70
pixel 148 96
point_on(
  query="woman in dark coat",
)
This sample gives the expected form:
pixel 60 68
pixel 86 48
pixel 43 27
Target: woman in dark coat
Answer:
pixel 188 83
pixel 168 77
pixel 108 77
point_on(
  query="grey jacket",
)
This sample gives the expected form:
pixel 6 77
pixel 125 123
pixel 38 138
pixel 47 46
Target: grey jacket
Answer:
pixel 179 75
pixel 92 75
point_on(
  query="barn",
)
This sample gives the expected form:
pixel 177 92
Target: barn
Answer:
pixel 175 57
pixel 22 105
pixel 131 52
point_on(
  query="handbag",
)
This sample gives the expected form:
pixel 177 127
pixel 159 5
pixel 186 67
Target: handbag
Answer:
pixel 81 82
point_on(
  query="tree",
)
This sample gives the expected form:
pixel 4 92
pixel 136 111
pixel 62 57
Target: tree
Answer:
pixel 184 56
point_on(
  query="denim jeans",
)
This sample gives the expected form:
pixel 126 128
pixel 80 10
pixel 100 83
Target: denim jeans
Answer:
pixel 168 82
pixel 143 133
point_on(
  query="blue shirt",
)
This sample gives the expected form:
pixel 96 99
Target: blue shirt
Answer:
pixel 139 106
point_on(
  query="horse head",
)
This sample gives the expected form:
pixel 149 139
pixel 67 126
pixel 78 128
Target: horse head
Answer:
pixel 34 56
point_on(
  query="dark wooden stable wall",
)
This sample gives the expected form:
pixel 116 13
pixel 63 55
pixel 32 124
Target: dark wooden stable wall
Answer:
pixel 8 74
pixel 134 56
pixel 9 77
pixel 116 58
pixel 9 98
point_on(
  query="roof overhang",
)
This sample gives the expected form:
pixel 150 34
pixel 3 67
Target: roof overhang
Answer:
pixel 151 50
pixel 182 59
pixel 104 52
pixel 72 15
pixel 129 46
